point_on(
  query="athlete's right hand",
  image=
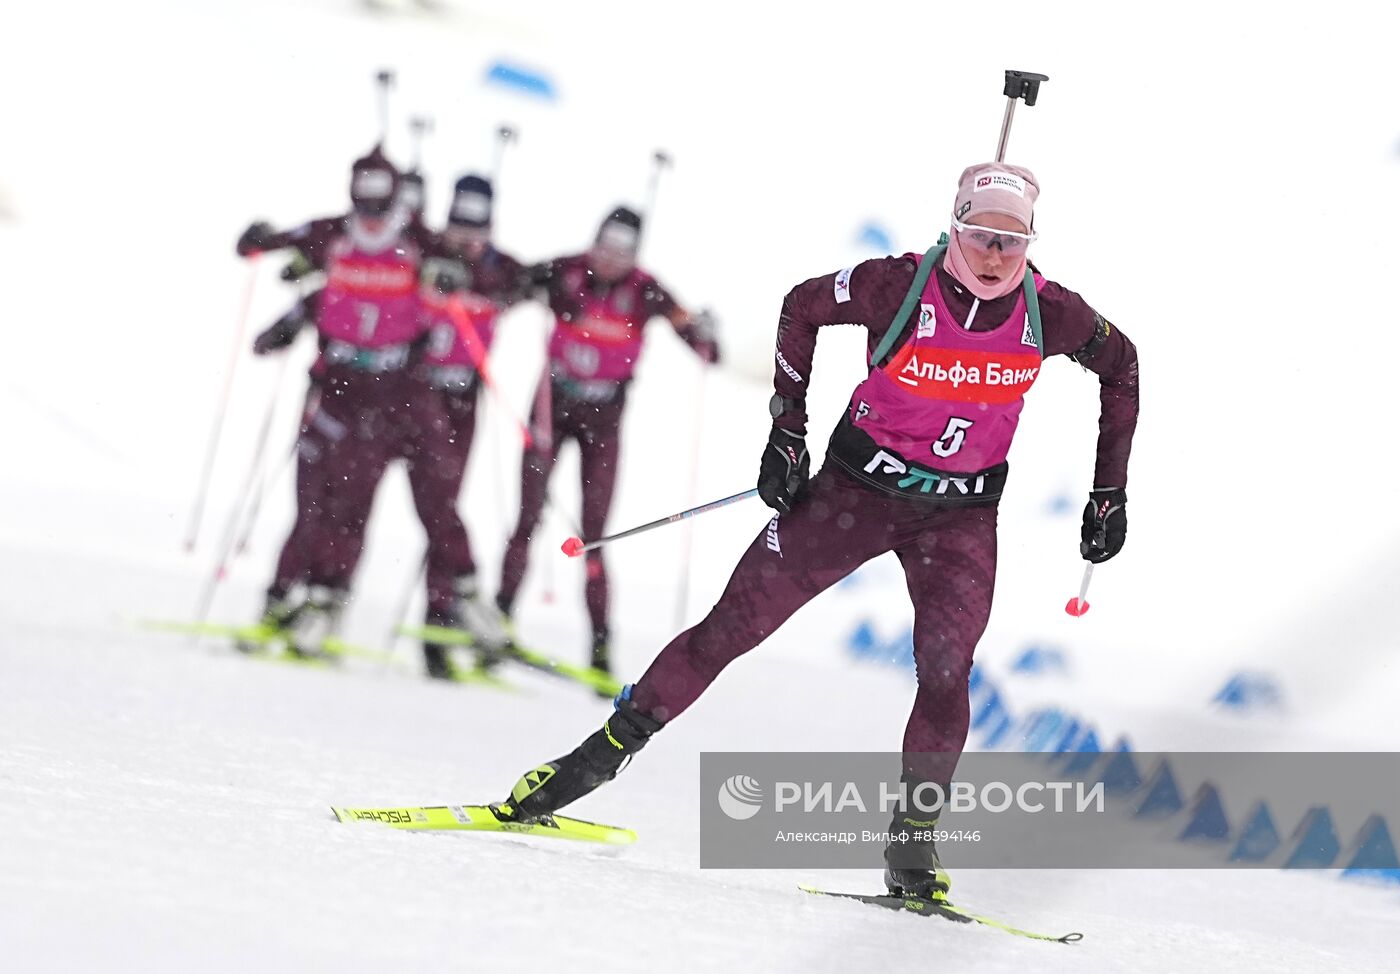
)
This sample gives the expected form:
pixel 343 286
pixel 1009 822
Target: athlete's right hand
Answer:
pixel 254 239
pixel 280 334
pixel 783 469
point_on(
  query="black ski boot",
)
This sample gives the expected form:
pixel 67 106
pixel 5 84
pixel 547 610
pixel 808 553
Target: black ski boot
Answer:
pixel 548 788
pixel 911 858
pixel 437 657
pixel 436 661
pixel 601 656
pixel 316 621
pixel 480 617
pixel 280 610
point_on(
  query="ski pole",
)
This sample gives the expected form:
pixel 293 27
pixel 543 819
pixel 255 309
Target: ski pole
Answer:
pixel 476 348
pixel 1077 607
pixel 576 546
pixel 420 126
pixel 659 160
pixel 406 599
pixel 267 480
pixel 1019 84
pixel 505 135
pixel 216 434
pixel 226 544
pixel 249 494
pixel 385 80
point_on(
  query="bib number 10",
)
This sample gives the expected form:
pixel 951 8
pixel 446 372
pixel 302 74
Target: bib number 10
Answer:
pixel 953 436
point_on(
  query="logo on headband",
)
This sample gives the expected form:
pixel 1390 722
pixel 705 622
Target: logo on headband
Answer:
pixel 1001 180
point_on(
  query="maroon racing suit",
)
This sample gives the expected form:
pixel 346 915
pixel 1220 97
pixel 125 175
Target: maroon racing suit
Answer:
pixel 369 404
pixel 854 510
pixel 462 298
pixel 593 352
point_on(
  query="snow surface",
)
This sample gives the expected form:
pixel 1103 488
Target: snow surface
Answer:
pixel 165 804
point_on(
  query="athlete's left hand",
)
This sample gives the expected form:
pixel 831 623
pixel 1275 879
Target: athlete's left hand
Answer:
pixel 1105 526
pixel 704 336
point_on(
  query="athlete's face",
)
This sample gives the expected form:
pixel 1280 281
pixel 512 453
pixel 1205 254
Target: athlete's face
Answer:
pixel 471 241
pixel 611 263
pixel 371 224
pixel 991 265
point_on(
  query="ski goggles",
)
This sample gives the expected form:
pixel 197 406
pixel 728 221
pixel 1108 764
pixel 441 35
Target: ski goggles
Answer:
pixel 983 239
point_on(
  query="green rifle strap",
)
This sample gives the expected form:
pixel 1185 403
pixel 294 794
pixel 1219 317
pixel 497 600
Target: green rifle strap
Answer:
pixel 911 301
pixel 1033 310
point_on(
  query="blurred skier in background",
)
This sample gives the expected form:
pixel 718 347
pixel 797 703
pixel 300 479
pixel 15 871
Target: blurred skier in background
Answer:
pixel 369 403
pixel 955 339
pixel 601 301
pixel 466 288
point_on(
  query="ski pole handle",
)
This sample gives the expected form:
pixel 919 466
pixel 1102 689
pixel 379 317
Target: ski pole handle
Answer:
pixel 1019 84
pixel 576 546
pixel 1077 607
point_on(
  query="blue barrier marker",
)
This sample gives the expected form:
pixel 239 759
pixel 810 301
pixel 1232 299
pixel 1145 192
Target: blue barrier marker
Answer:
pixel 523 80
pixel 1068 737
pixel 974 678
pixel 1161 797
pixel 1040 728
pixel 1039 659
pixel 1249 691
pixel 901 650
pixel 1371 854
pixel 1085 756
pixel 991 708
pixel 1315 844
pixel 862 642
pixel 1206 818
pixel 1258 838
pixel 1120 776
pixel 875 237
pixel 999 731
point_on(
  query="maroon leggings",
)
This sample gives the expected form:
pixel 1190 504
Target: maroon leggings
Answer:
pixel 436 480
pixel 595 427
pixel 357 425
pixel 294 563
pixel 836 525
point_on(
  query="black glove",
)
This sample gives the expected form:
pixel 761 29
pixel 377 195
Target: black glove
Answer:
pixel 254 239
pixel 783 469
pixel 704 336
pixel 297 268
pixel 280 334
pixel 1105 525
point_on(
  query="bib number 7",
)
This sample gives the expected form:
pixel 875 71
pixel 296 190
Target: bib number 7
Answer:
pixel 369 319
pixel 953 435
